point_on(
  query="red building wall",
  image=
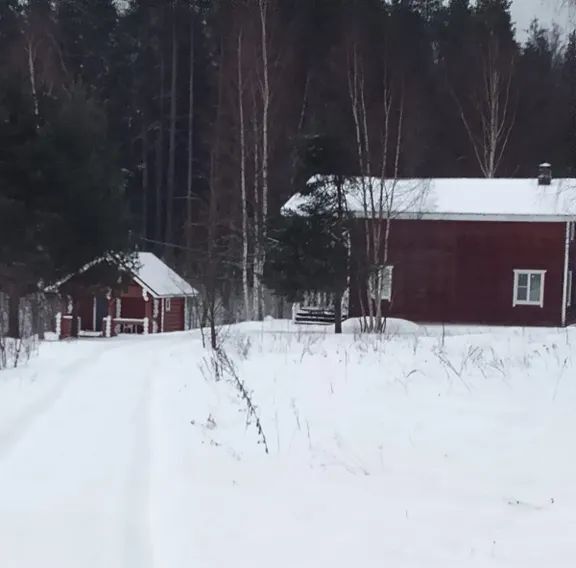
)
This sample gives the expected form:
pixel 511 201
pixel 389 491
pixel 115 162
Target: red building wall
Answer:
pixel 571 310
pixel 463 272
pixel 86 313
pixel 133 308
pixel 174 318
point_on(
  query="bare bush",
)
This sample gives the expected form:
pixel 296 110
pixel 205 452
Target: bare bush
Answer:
pixel 16 351
pixel 219 366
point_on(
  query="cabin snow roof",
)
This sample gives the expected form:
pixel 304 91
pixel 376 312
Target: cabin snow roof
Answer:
pixel 159 278
pixel 457 198
pixel 151 273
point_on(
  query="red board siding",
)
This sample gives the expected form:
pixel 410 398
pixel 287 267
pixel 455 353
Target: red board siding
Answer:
pixel 571 310
pixel 174 319
pixel 133 291
pixel 133 308
pixel 86 313
pixel 65 327
pixel 463 272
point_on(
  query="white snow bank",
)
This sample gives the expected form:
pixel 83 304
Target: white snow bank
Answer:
pixel 429 447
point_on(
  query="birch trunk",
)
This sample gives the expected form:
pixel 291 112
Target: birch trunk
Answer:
pixel 32 78
pixel 171 182
pixel 190 180
pixel 245 291
pixel 212 261
pixel 145 180
pixel 263 5
pixel 256 293
pixel 14 330
pixel 160 156
pixel 492 119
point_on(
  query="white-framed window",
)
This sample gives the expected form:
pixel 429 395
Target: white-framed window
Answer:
pixel 529 287
pixel 569 288
pixel 167 304
pixel 381 280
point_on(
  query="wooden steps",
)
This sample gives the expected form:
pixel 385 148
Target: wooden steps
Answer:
pixel 316 316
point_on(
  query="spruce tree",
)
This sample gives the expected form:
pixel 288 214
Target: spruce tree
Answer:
pixel 308 248
pixel 87 31
pixel 62 203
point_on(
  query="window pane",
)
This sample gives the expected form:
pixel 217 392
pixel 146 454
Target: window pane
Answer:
pixel 535 287
pixel 523 280
pixel 387 282
pixel 380 282
pixel 522 293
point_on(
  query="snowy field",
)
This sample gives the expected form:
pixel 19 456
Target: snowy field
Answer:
pixel 428 448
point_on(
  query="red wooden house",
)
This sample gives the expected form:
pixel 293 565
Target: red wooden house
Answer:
pixel 471 251
pixel 156 300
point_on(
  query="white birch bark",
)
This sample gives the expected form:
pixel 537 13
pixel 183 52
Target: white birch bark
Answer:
pixel 190 173
pixel 243 195
pixel 490 120
pixel 256 284
pixel 32 77
pixel 260 258
pixel 171 181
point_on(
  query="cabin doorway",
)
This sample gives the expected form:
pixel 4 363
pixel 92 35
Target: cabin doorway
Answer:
pixel 100 312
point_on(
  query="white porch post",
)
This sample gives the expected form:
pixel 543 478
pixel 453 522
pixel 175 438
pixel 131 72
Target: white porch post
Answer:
pixel 59 325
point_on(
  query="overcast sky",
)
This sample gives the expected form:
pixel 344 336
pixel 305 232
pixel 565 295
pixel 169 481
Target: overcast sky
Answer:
pixel 547 11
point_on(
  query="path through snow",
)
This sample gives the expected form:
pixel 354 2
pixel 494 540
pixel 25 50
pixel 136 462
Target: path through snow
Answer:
pixel 424 449
pixel 74 466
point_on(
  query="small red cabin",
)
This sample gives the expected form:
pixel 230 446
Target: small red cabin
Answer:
pixel 156 300
pixel 468 251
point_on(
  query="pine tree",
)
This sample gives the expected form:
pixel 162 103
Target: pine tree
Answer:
pixel 61 195
pixel 568 82
pixel 542 105
pixel 87 30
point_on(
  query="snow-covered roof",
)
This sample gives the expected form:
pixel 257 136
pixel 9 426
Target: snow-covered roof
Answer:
pixel 455 198
pixel 159 278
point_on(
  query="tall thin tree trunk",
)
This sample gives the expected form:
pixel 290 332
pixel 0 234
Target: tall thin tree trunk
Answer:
pixel 160 156
pixel 190 181
pixel 14 330
pixel 32 77
pixel 256 284
pixel 212 261
pixel 245 291
pixel 265 150
pixel 171 181
pixel 338 313
pixel 145 181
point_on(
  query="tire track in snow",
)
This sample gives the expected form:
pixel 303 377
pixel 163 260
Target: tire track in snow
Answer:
pixel 138 544
pixel 27 419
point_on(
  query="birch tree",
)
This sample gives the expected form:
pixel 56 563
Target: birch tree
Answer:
pixel 377 92
pixel 261 189
pixel 489 114
pixel 171 175
pixel 243 190
pixel 190 169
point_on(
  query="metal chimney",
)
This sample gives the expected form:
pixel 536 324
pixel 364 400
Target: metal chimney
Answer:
pixel 544 174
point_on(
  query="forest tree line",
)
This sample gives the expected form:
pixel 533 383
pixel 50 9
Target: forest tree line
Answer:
pixel 181 126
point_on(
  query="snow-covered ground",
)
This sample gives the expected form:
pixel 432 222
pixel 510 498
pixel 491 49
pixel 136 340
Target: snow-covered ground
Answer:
pixel 430 447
